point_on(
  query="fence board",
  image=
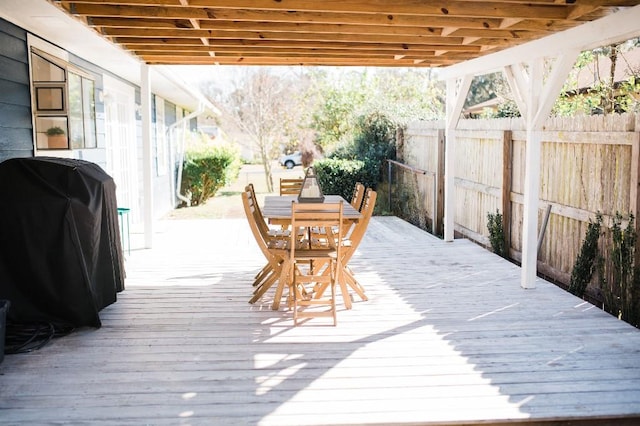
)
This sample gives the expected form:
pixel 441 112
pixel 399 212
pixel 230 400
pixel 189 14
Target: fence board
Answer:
pixel 588 165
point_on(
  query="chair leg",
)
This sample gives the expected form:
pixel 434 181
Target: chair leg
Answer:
pixel 285 279
pixel 304 305
pixel 333 303
pixel 262 289
pixel 260 276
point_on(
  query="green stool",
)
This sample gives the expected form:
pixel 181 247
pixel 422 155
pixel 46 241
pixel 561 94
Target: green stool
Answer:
pixel 123 213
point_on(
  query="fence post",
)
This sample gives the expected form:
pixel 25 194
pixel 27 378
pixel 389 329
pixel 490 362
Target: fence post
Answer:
pixel 389 185
pixel 438 209
pixel 634 198
pixel 507 176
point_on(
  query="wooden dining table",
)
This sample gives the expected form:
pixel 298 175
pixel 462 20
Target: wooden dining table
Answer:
pixel 277 210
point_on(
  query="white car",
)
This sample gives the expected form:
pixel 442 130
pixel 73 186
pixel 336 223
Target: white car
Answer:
pixel 291 160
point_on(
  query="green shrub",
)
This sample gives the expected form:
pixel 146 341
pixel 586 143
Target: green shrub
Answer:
pixel 207 169
pixel 375 140
pixel 339 176
pixel 622 292
pixel 587 260
pixel 373 144
pixel 496 233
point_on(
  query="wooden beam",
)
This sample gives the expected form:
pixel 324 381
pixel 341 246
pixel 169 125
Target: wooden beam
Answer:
pixel 413 26
pixel 429 25
pixel 182 49
pixel 303 61
pixel 400 47
pixel 293 36
pixel 268 10
pixel 284 54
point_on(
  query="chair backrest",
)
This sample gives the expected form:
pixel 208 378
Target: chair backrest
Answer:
pixel 358 196
pixel 255 208
pixel 360 228
pixel 317 215
pixel 290 186
pixel 254 217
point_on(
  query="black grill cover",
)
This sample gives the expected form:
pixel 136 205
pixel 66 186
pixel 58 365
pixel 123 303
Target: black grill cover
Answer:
pixel 60 255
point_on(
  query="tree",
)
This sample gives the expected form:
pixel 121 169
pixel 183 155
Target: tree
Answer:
pixel 400 94
pixel 263 106
pixel 606 94
pixel 486 87
pixel 338 100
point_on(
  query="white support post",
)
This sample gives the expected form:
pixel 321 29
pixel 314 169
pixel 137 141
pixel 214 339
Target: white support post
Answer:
pixel 530 221
pixel 456 95
pixel 540 100
pixel 531 178
pixel 147 154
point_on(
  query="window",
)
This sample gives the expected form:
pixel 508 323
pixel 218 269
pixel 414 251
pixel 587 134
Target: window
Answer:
pixel 161 138
pixel 64 104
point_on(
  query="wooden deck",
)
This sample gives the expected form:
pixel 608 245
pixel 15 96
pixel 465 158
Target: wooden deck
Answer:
pixel 448 336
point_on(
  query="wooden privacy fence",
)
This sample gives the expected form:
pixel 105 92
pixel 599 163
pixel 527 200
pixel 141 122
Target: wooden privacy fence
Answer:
pixel 588 165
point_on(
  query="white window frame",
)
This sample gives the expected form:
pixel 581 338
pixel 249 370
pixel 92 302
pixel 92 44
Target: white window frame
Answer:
pixel 61 117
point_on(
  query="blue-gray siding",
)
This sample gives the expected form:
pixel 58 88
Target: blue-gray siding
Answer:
pixel 16 134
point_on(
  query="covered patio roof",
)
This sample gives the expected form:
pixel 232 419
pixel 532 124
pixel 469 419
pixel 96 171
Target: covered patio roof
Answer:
pixel 330 32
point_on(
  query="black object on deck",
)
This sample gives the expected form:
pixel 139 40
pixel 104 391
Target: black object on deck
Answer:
pixel 61 258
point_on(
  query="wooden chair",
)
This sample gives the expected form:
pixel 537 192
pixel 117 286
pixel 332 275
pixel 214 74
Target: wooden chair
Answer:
pixel 273 248
pixel 358 196
pixel 356 202
pixel 349 245
pixel 273 232
pixel 267 232
pixel 312 265
pixel 290 186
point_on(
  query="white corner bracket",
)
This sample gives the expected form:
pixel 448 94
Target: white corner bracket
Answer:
pixel 539 95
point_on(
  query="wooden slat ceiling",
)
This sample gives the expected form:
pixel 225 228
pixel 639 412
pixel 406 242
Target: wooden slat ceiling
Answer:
pixel 408 33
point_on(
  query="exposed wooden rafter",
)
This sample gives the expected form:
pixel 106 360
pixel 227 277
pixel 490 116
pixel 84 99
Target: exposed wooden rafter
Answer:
pixel 328 32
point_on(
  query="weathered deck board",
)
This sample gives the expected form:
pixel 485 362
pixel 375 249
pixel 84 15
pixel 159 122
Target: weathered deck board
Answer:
pixel 447 335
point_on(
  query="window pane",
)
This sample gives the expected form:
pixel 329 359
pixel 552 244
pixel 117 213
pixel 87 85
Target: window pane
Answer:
pixel 76 123
pixel 51 133
pixel 161 140
pixel 50 98
pixel 44 70
pixel 89 113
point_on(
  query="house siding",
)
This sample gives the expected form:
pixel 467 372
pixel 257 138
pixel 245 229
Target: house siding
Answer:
pixel 16 129
pixel 16 116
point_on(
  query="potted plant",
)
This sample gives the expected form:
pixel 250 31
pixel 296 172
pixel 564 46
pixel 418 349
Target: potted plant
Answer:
pixel 56 137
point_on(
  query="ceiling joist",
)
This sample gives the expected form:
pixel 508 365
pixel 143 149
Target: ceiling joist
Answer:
pixel 332 32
